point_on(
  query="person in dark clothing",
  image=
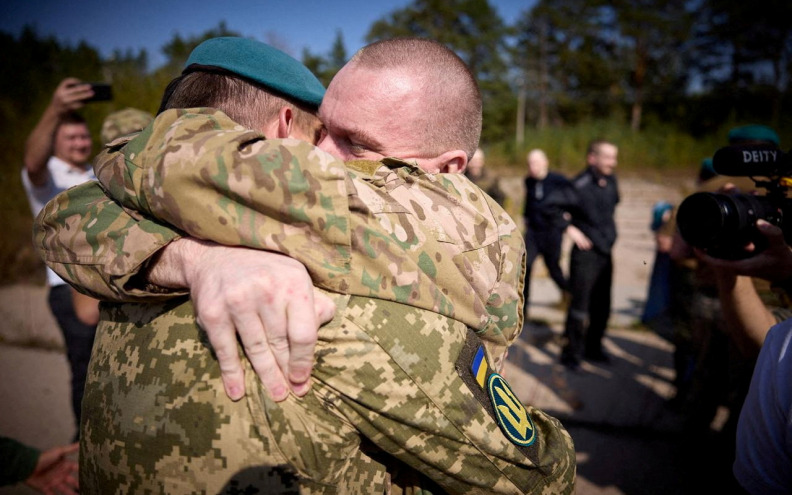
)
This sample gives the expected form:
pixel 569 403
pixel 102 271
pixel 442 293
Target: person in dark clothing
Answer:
pixel 548 198
pixel 593 231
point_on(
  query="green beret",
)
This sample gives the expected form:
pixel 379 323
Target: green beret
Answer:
pixel 262 64
pixel 753 132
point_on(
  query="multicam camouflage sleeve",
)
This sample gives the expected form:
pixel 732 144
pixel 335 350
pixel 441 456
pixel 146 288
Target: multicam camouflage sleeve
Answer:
pixel 100 248
pixel 101 245
pixel 235 200
pixel 264 195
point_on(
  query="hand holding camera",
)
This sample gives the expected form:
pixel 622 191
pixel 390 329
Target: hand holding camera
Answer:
pixel 774 263
pixel 723 225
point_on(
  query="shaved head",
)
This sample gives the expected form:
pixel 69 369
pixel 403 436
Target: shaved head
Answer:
pixel 450 98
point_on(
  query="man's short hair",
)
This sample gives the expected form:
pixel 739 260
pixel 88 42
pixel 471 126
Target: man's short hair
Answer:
pixel 595 144
pixel 72 118
pixel 453 96
pixel 245 102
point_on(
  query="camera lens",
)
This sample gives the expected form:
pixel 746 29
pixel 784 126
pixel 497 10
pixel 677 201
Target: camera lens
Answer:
pixel 722 221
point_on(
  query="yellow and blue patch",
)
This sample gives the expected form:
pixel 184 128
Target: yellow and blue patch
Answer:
pixel 479 367
pixel 510 414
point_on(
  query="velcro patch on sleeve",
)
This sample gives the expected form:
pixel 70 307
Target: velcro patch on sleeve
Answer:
pixel 512 416
pixel 495 394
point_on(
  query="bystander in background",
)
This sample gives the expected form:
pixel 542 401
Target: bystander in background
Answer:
pixel 593 230
pixel 480 175
pixel 123 122
pixel 549 196
pixel 728 316
pixel 57 155
pixel 50 472
pixel 656 313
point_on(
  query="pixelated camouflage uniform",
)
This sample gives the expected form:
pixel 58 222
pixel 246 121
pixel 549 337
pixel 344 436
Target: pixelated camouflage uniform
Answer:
pixel 389 365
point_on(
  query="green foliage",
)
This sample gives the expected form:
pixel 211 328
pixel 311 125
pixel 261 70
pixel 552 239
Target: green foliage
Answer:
pixel 659 149
pixel 473 29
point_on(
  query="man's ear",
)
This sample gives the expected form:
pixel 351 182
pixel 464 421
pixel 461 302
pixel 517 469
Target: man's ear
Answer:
pixel 285 122
pixel 452 162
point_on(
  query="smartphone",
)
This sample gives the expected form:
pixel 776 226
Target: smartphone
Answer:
pixel 102 92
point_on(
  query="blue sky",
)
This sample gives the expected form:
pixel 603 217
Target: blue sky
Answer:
pixel 292 25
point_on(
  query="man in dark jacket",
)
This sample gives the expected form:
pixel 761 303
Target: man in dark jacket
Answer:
pixel 549 197
pixel 593 231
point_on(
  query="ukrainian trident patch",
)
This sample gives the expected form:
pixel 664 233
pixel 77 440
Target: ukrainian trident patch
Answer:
pixel 495 394
pixel 511 414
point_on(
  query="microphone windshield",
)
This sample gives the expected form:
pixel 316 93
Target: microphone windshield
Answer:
pixel 761 160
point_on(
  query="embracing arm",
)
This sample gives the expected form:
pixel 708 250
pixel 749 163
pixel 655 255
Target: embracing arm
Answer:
pixel 99 247
pixel 236 189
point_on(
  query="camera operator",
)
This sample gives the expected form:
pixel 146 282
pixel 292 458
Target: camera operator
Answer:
pixel 763 432
pixel 750 306
pixel 738 309
pixel 749 303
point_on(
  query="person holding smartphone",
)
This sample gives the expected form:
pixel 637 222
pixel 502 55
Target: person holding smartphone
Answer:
pixel 57 157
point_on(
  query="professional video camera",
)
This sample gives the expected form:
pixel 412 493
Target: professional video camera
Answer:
pixel 723 224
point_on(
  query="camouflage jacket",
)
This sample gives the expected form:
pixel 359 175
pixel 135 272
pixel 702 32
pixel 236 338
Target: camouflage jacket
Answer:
pixel 388 231
pixel 388 394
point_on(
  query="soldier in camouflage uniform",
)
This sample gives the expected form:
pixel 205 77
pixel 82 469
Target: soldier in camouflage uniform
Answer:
pixel 398 364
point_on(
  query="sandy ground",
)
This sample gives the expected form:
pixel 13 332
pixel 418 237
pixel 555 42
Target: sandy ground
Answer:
pixel 625 437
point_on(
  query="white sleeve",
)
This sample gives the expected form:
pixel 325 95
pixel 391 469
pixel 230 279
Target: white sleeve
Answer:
pixel 38 196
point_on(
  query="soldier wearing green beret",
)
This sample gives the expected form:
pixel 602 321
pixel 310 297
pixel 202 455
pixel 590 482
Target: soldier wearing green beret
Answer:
pixel 413 261
pixel 753 133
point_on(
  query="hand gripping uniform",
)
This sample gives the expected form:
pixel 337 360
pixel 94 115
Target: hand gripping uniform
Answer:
pixel 427 288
